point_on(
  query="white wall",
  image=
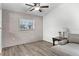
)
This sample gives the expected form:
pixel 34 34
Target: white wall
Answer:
pixel 0 30
pixel 65 15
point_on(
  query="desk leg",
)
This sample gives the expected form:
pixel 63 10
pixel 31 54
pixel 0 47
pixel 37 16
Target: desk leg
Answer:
pixel 53 42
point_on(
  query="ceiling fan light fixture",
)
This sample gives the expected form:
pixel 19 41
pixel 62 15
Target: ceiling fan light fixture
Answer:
pixel 37 8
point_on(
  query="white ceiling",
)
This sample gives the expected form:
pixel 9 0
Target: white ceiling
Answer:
pixel 21 7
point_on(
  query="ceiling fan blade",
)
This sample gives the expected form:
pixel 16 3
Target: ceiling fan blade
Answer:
pixel 29 5
pixel 35 4
pixel 44 6
pixel 32 9
pixel 40 10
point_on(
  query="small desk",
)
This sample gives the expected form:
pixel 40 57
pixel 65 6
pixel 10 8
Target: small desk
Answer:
pixel 57 39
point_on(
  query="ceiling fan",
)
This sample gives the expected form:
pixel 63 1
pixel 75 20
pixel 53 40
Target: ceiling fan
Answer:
pixel 36 6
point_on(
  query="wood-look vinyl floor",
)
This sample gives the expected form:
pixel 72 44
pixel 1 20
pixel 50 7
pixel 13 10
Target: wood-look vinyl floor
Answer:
pixel 40 48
